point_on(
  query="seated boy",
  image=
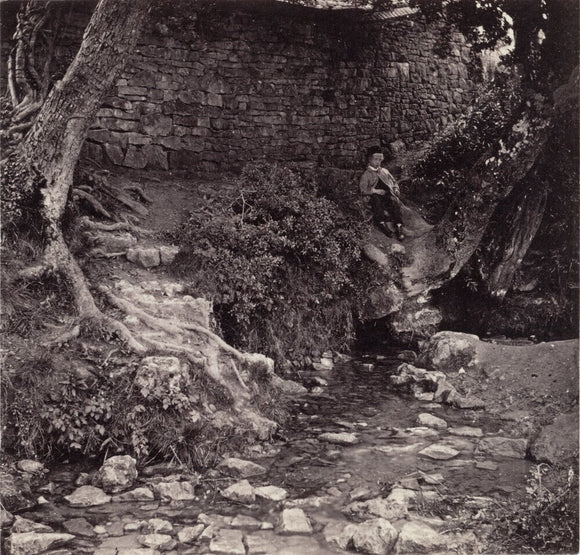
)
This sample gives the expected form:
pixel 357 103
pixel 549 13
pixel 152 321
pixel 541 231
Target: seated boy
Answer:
pixel 378 183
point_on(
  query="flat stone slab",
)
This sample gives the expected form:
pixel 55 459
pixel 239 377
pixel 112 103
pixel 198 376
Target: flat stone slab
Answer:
pixel 88 496
pixel 29 543
pixel 240 491
pixel 79 527
pixel 271 493
pixel 418 537
pixel 503 447
pixel 228 542
pixel 439 452
pixel 241 468
pixel 294 521
pixel 466 431
pixel 339 438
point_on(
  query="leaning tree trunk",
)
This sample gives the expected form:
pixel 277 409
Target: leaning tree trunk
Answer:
pixel 50 150
pixel 517 224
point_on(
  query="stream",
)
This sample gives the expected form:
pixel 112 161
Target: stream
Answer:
pixel 376 452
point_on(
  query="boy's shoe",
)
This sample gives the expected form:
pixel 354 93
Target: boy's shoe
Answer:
pixel 384 227
pixel 400 234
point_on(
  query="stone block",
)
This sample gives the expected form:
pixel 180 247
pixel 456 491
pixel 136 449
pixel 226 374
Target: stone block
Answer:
pixel 115 154
pixel 157 125
pixel 134 158
pixel 146 257
pixel 155 157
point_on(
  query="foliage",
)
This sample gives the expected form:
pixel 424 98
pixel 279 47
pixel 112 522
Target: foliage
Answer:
pixel 51 411
pixel 441 171
pixel 282 265
pixel 546 519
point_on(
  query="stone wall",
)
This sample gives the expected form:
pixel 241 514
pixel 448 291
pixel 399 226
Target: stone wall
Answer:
pixel 277 84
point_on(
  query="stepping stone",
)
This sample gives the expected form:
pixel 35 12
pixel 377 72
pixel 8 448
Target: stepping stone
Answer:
pixel 22 525
pixel 340 438
pixel 422 431
pixel 390 509
pixel 79 527
pixel 466 431
pixel 418 537
pixel 271 493
pixel 34 542
pixel 244 521
pixel 137 494
pixel 190 533
pixel 432 479
pixel 294 521
pixel 162 542
pixel 241 468
pixel 147 257
pixel 228 542
pixel 503 447
pixel 88 496
pixel 175 491
pixel 431 421
pixel 158 526
pixel 117 473
pixel 241 491
pixel 376 536
pixel 439 452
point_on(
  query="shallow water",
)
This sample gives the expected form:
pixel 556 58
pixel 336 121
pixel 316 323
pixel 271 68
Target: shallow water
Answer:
pixel 321 476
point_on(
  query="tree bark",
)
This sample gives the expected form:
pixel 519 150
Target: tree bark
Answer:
pixel 517 224
pixel 50 150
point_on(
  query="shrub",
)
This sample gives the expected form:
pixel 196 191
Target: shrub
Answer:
pixel 546 519
pixel 51 411
pixel 282 265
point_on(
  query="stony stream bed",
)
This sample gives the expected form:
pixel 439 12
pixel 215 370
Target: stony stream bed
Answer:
pixel 359 467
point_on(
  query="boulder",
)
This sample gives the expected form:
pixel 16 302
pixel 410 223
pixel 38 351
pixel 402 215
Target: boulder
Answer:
pixel 431 421
pixel 175 491
pixel 390 509
pixel 418 537
pixel 449 351
pixel 22 525
pixel 30 466
pixel 558 441
pixel 503 447
pixel 88 496
pixel 288 387
pixel 294 521
pixel 241 491
pixel 137 494
pixel 30 543
pixel 15 494
pixel 241 468
pixel 375 537
pixel 117 474
pixel 339 533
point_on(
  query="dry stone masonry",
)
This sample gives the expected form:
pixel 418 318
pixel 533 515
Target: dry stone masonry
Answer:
pixel 278 87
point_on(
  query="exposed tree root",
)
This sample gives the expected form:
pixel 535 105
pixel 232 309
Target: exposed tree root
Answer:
pixel 64 337
pixel 139 190
pixel 118 226
pixel 100 253
pixel 95 204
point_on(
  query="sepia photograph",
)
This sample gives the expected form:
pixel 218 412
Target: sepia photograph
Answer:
pixel 289 277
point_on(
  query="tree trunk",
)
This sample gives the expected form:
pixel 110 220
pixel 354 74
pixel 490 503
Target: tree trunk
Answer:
pixel 50 150
pixel 517 224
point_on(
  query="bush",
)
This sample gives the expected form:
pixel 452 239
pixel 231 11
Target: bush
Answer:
pixel 546 519
pixel 282 265
pixel 53 411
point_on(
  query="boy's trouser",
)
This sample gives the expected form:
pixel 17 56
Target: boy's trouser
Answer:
pixel 386 203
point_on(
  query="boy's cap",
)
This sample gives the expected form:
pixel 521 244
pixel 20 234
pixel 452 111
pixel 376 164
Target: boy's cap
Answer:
pixel 374 150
